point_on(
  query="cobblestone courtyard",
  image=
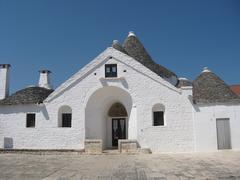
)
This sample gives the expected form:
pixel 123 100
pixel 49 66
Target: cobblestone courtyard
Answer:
pixel 221 165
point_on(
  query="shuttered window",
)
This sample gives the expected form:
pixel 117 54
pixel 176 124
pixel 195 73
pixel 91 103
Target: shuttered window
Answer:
pixel 30 120
pixel 66 120
pixel 158 118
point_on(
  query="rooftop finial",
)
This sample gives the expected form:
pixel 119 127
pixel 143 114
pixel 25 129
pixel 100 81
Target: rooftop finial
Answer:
pixel 115 42
pixel 205 69
pixel 131 33
pixel 183 79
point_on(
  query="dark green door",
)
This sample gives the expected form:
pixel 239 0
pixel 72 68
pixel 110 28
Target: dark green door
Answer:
pixel 118 130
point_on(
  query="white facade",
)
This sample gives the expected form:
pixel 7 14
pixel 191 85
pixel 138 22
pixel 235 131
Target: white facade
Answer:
pixel 89 95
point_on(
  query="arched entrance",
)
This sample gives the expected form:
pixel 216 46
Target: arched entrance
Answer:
pixel 107 115
pixel 118 115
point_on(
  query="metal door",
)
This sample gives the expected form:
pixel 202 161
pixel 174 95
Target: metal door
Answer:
pixel 223 134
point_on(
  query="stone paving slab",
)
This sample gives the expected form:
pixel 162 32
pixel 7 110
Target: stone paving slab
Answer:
pixel 220 165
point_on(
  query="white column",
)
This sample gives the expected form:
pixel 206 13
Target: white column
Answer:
pixel 4 80
pixel 44 79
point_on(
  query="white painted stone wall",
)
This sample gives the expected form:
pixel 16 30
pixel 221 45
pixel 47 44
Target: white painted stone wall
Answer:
pixel 205 123
pixel 44 79
pixel 46 134
pixel 4 82
pixel 136 87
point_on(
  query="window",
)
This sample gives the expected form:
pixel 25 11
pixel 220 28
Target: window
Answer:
pixel 110 70
pixel 158 115
pixel 30 121
pixel 65 116
pixel 158 118
pixel 66 120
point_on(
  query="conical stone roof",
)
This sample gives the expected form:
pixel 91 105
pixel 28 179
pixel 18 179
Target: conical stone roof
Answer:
pixel 30 95
pixel 209 88
pixel 134 48
pixel 116 45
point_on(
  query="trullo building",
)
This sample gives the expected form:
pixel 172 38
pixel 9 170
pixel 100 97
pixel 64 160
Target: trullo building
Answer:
pixel 121 94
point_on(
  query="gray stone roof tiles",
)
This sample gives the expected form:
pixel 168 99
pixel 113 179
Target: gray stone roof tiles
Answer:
pixel 183 82
pixel 134 48
pixel 30 95
pixel 209 88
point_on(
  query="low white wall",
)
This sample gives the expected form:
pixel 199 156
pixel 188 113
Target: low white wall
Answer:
pixel 205 125
pixel 45 135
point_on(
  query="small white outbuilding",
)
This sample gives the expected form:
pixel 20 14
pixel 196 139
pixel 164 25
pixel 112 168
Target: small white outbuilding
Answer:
pixel 121 94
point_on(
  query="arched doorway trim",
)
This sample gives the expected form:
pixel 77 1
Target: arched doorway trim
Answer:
pixel 117 110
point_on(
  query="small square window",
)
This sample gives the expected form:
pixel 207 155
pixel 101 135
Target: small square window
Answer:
pixel 66 120
pixel 110 70
pixel 30 120
pixel 158 118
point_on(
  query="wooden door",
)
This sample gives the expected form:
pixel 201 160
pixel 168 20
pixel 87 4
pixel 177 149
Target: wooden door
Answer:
pixel 118 130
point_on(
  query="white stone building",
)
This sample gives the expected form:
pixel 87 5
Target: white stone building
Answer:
pixel 121 94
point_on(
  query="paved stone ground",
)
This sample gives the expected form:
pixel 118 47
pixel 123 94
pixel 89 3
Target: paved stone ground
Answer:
pixel 221 165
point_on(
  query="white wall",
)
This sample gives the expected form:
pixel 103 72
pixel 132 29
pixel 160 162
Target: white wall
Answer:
pixel 46 134
pixel 145 88
pixel 205 123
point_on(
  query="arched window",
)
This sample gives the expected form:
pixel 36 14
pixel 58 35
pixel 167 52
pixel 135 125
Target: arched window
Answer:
pixel 117 110
pixel 65 116
pixel 158 115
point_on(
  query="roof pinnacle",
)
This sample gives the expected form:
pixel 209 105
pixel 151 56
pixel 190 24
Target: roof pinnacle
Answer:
pixel 205 69
pixel 131 33
pixel 115 41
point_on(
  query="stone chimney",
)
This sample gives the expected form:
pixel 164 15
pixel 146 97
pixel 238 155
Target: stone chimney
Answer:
pixel 44 79
pixel 4 80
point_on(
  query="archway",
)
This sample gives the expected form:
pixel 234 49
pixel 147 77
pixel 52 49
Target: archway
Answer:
pixel 103 105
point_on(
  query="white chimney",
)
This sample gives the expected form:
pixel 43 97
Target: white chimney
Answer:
pixel 44 79
pixel 4 80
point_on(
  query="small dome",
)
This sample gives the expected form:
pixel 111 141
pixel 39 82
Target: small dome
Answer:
pixel 209 88
pixel 29 95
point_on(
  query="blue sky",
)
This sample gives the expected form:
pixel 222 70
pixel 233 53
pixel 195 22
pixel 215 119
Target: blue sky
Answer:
pixel 63 35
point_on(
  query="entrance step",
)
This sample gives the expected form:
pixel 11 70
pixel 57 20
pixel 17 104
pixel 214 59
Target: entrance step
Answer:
pixel 116 151
pixel 144 151
pixel 111 151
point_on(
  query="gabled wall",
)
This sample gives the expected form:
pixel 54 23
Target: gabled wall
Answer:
pixel 145 88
